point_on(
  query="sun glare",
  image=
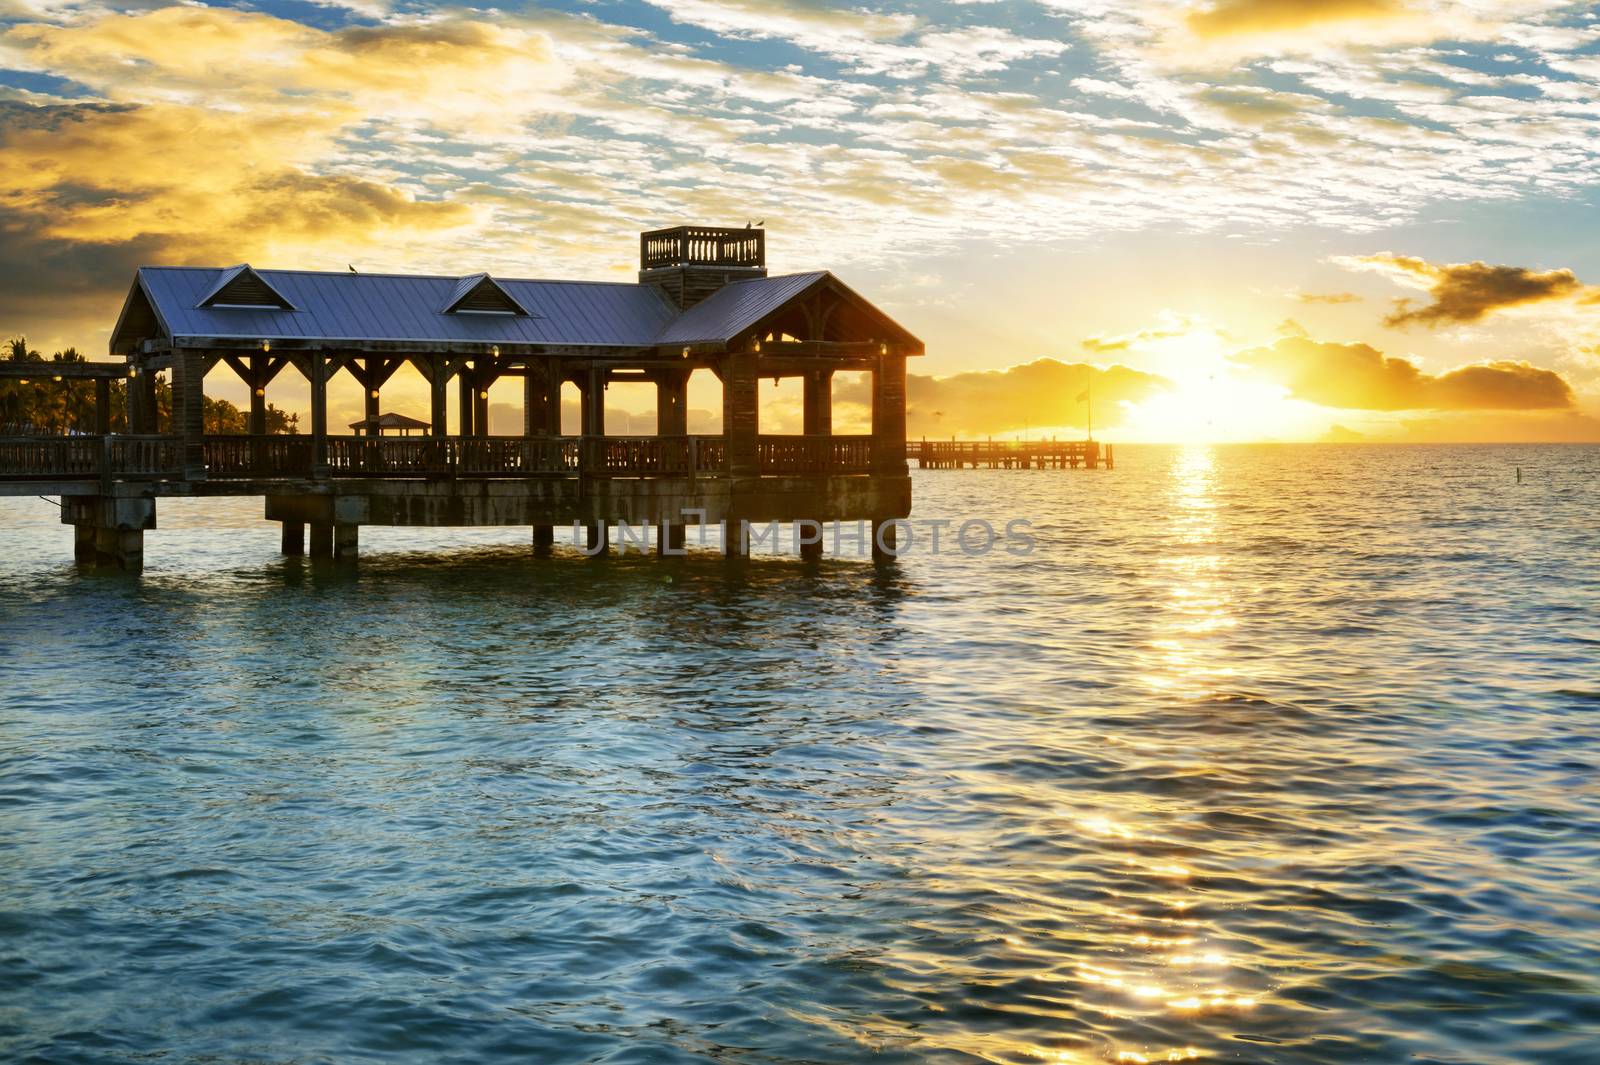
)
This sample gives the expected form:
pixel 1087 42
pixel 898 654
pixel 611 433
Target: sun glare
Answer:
pixel 1210 401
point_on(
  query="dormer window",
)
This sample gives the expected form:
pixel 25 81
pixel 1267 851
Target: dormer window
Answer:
pixel 481 294
pixel 241 288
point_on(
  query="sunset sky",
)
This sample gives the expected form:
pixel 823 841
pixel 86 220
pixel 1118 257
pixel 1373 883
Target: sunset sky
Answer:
pixel 1259 219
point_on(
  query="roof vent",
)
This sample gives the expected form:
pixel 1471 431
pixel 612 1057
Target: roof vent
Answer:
pixel 241 286
pixel 481 294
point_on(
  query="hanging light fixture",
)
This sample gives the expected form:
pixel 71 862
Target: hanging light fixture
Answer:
pixel 266 345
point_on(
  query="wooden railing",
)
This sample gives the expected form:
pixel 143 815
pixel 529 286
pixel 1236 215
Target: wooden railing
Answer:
pixel 702 246
pixel 229 457
pixel 86 457
pixel 815 454
pixel 291 456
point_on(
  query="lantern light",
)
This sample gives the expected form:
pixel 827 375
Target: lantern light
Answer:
pixel 261 391
pixel 266 345
pixel 56 377
pixel 133 371
pixel 374 393
pixel 883 349
pixel 495 351
pixel 686 353
pixel 756 346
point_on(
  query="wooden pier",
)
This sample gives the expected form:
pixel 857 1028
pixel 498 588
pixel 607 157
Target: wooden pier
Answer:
pixel 703 302
pixel 1010 454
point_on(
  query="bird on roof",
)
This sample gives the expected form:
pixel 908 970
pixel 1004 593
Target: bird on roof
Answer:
pixel 352 268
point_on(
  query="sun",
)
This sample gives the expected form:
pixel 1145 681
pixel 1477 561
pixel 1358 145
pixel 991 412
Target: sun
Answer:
pixel 1211 400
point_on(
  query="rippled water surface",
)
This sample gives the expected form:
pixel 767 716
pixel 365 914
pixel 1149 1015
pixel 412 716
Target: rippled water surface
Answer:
pixel 1265 755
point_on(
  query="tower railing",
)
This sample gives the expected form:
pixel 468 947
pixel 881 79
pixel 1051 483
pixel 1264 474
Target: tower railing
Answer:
pixel 702 246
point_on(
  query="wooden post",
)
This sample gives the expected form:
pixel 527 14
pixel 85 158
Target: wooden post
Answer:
pixel 672 419
pixel 536 424
pixel 818 418
pixel 741 417
pixel 437 379
pixel 466 389
pixel 294 538
pixel 672 403
pixel 889 413
pixel 593 417
pixel 102 406
pixel 533 406
pixel 149 409
pixel 480 405
pixel 257 382
pixel 370 397
pixel 188 410
pixel 319 423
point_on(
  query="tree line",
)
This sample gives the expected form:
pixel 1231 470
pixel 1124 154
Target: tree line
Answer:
pixel 43 406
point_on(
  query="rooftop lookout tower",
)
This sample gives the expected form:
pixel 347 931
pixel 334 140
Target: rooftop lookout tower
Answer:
pixel 703 304
pixel 689 263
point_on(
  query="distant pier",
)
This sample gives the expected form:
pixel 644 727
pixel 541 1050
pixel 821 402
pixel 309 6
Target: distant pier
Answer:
pixel 1010 454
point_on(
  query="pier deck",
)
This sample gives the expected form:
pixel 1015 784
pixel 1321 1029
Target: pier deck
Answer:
pixel 1010 454
pixel 703 304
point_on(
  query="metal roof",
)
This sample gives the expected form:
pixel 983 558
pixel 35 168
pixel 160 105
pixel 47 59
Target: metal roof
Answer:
pixel 467 284
pixel 411 308
pixel 331 306
pixel 735 307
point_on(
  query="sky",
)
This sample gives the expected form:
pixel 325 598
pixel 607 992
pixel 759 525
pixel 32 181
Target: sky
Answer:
pixel 1222 219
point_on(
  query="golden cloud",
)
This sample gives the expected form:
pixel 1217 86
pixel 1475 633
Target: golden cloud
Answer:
pixel 1042 393
pixel 90 192
pixel 485 75
pixel 1360 377
pixel 1464 292
pixel 1229 17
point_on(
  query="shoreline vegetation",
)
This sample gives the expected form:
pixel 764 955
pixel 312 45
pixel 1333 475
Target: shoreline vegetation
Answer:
pixel 50 407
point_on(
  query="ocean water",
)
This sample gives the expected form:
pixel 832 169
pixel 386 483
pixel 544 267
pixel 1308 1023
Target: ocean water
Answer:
pixel 1264 754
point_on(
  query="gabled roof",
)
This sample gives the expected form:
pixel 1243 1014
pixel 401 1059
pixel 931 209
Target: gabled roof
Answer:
pixel 481 293
pixel 735 307
pixel 743 305
pixel 405 307
pixel 240 286
pixel 426 310
pixel 391 420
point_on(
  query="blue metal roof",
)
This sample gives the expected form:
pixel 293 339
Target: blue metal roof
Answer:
pixel 467 284
pixel 399 307
pixel 409 307
pixel 735 307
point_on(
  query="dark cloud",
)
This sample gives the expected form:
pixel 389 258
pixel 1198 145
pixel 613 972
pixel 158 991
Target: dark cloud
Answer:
pixel 1040 393
pixel 89 192
pixel 1466 292
pixel 1360 377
